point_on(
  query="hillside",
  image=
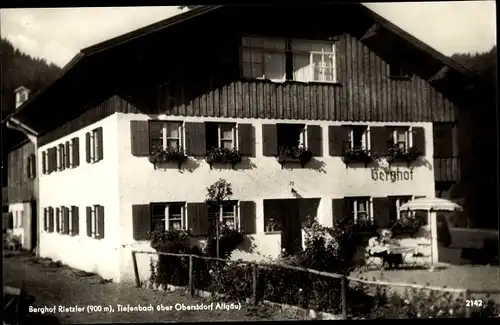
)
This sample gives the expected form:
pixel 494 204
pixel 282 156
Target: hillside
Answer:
pixel 18 69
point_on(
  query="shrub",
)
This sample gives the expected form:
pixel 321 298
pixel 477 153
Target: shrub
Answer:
pixel 408 226
pixel 229 239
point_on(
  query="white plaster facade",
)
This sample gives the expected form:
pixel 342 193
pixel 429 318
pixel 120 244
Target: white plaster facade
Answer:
pixel 21 215
pixel 121 180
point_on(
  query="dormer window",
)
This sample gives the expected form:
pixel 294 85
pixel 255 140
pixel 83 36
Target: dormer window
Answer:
pixel 398 72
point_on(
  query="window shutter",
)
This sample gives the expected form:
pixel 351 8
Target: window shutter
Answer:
pixel 337 135
pixel 380 139
pixel 195 139
pixel 381 211
pixel 269 140
pixel 28 167
pixel 338 212
pixel 75 142
pixel 141 221
pixel 66 156
pixel 33 166
pixel 248 217
pixel 65 212
pixel 44 162
pixel 45 219
pixel 100 221
pixel 89 221
pixel 315 140
pixel 198 218
pixel 139 135
pixel 54 159
pixel 419 139
pixel 246 140
pixel 62 156
pixel 100 143
pixel 349 208
pixel 87 146
pixel 50 163
pixel 443 140
pixel 58 224
pixel 75 220
pixel 51 219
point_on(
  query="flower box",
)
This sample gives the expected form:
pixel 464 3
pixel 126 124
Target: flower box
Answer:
pixel 174 155
pixel 357 155
pixel 293 155
pixel 397 154
pixel 223 156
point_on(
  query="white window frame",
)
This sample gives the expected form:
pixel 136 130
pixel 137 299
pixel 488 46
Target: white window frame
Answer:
pixel 234 136
pixel 58 158
pixel 167 218
pixel 409 137
pixel 369 208
pixel 70 153
pixel 397 200
pixel 60 217
pixel 365 139
pixel 70 220
pixel 45 158
pixel 93 145
pixel 164 133
pixel 94 233
pixel 262 52
pixel 312 66
pixel 235 216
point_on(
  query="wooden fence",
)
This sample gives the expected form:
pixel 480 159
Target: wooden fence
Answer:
pixel 343 279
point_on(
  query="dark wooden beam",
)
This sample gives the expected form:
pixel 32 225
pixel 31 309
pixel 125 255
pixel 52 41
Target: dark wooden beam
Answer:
pixel 372 32
pixel 441 74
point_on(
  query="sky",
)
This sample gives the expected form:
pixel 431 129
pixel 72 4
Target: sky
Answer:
pixel 58 34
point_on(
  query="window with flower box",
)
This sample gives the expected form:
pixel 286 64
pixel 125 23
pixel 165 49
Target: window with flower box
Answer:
pixel 165 135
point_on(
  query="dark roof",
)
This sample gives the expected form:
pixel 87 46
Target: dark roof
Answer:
pixel 82 58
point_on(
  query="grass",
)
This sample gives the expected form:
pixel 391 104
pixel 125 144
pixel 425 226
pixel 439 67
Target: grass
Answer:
pixel 55 284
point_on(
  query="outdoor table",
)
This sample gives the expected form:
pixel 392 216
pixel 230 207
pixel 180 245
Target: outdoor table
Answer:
pixel 404 251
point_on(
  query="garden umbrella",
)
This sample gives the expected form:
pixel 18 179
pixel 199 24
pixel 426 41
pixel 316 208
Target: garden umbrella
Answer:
pixel 431 205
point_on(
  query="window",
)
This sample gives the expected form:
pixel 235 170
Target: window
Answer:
pixel 165 135
pixel 45 162
pixel 360 208
pixel 94 145
pixel 267 58
pixel 291 136
pixel 264 58
pixel 59 158
pixel 95 222
pixel 69 154
pixel 227 215
pixel 313 61
pixel 31 166
pixel 220 135
pixel 59 220
pixel 395 203
pixel 359 138
pixel 402 138
pixel 396 71
pixel 168 216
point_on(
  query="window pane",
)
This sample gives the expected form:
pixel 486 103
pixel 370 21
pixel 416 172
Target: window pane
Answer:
pixel 328 61
pixel 172 130
pixel 226 131
pixel 174 225
pixel 227 144
pixel 175 211
pixel 212 211
pixel 229 222
pixel 246 56
pixel 173 143
pixel 357 138
pixel 158 209
pixel 329 74
pixel 156 144
pixel 316 59
pixel 362 216
pixel 301 67
pixel 318 74
pixel 274 66
pixel 361 206
pixel 159 225
pixel 400 135
pixel 256 57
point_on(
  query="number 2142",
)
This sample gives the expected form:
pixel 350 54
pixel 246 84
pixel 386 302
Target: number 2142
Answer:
pixel 474 303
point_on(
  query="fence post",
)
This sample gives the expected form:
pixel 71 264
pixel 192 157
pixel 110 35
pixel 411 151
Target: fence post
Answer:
pixel 343 290
pixel 254 283
pixel 136 270
pixel 191 286
pixel 467 309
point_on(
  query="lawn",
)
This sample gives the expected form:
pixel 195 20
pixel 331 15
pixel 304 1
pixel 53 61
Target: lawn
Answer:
pixel 54 284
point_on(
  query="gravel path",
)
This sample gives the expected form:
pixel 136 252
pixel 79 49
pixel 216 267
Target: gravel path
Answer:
pixel 55 285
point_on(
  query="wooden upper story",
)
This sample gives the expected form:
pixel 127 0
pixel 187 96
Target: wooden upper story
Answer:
pixel 22 176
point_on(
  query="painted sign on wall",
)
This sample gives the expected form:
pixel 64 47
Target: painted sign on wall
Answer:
pixel 393 176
